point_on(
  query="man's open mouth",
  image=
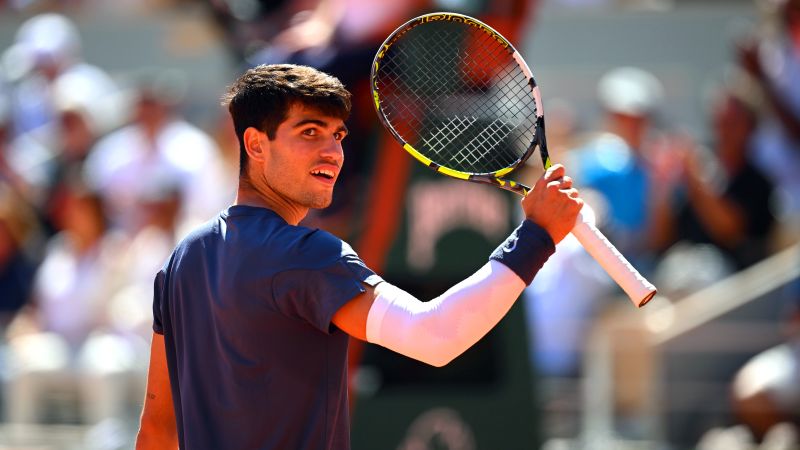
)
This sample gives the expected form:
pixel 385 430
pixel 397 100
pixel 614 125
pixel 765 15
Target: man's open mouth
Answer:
pixel 323 173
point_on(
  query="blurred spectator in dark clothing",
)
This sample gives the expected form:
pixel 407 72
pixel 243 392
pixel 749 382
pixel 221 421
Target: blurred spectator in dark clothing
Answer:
pixel 247 25
pixel 279 30
pixel 772 59
pixel 728 207
pixel 7 173
pixel 17 228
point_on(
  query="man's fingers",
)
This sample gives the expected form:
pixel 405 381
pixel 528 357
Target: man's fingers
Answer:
pixel 554 172
pixel 563 183
pixel 572 193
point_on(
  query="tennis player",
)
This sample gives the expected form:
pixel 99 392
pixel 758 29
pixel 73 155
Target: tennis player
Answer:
pixel 252 312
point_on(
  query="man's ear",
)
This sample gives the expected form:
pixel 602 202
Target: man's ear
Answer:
pixel 256 144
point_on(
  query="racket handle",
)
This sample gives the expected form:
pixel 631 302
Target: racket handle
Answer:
pixel 611 260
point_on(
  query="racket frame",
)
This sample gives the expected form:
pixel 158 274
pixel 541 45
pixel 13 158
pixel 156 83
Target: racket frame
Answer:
pixel 496 178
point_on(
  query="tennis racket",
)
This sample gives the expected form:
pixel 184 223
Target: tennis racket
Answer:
pixel 460 99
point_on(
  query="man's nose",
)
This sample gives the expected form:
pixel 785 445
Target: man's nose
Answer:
pixel 333 150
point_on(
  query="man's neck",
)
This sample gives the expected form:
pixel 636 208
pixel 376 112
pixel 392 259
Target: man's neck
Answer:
pixel 250 195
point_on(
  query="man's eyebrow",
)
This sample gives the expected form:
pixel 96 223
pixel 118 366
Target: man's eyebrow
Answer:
pixel 320 123
pixel 317 122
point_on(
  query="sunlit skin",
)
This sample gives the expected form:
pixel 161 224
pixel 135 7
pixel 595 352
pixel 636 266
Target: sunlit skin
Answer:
pixel 286 174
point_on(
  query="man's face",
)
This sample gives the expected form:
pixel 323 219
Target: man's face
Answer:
pixel 304 159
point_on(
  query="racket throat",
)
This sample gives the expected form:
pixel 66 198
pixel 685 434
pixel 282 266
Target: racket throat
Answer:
pixel 542 143
pixel 508 185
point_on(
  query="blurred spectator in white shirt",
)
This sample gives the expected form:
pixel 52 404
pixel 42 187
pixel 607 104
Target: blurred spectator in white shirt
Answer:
pixel 59 341
pixel 158 145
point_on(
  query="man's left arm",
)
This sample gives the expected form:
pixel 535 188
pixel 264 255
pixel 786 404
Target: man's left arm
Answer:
pixel 437 331
pixel 158 429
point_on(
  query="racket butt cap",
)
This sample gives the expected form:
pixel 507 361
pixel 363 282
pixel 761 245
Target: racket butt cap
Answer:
pixel 647 298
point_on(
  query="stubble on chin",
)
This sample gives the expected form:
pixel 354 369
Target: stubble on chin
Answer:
pixel 306 198
pixel 318 201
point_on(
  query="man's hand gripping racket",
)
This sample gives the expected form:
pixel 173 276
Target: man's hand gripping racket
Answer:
pixel 461 100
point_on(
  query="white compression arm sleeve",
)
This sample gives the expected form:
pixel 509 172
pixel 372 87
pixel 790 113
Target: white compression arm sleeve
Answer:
pixel 437 331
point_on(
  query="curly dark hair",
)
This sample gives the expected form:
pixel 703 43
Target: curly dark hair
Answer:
pixel 261 98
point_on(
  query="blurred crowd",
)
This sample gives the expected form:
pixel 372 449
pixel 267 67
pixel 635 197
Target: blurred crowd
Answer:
pixel 98 178
pixel 101 174
pixel 688 211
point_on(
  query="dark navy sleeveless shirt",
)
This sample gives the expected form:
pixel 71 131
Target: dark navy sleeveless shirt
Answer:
pixel 245 305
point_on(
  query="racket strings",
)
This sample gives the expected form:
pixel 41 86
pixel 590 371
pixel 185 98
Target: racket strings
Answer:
pixel 458 97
